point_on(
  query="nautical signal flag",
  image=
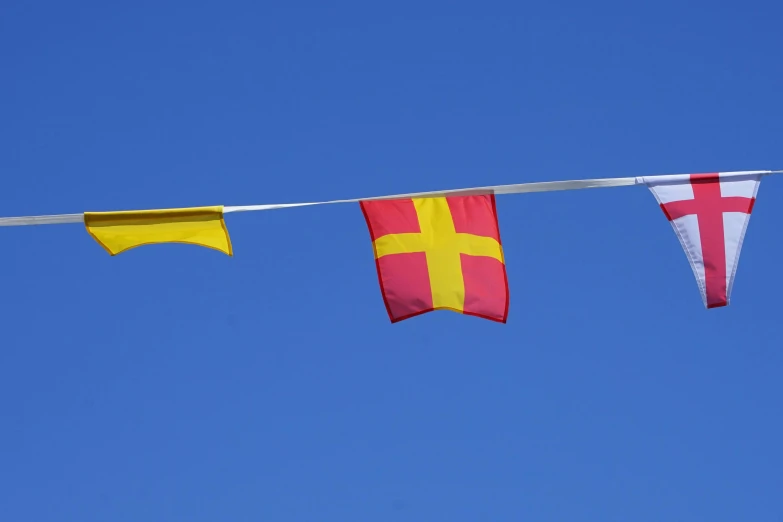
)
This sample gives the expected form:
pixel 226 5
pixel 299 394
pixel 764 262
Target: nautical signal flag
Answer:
pixel 439 253
pixel 710 214
pixel 120 231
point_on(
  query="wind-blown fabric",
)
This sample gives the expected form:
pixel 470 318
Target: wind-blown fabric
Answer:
pixel 710 214
pixel 440 253
pixel 441 249
pixel 117 232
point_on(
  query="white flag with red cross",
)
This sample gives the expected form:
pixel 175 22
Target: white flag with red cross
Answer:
pixel 709 214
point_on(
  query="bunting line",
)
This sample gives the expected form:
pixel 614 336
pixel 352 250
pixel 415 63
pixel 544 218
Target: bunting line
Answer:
pixel 519 188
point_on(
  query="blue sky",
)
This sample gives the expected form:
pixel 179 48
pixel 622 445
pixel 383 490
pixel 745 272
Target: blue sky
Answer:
pixel 175 383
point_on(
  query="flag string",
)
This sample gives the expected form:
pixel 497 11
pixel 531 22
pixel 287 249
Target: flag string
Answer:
pixel 519 188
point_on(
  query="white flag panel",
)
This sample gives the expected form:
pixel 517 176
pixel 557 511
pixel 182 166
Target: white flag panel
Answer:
pixel 709 214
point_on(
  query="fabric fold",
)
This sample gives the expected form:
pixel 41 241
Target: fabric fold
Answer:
pixel 117 232
pixel 710 215
pixel 439 254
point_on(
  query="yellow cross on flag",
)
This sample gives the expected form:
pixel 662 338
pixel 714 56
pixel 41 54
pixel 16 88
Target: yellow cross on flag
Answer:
pixel 443 246
pixel 439 253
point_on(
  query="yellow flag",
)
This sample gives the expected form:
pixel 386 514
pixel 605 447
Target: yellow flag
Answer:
pixel 121 231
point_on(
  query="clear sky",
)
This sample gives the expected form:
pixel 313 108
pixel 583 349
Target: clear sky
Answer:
pixel 175 383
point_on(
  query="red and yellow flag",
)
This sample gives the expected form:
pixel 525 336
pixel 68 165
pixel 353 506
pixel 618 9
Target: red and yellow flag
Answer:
pixel 440 253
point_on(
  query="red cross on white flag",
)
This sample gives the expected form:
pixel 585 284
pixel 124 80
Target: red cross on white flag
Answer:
pixel 709 214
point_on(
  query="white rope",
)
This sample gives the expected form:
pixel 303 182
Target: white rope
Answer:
pixel 519 188
pixel 41 220
pixel 546 186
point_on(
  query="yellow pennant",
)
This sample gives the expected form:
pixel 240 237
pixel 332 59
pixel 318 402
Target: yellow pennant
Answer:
pixel 121 231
